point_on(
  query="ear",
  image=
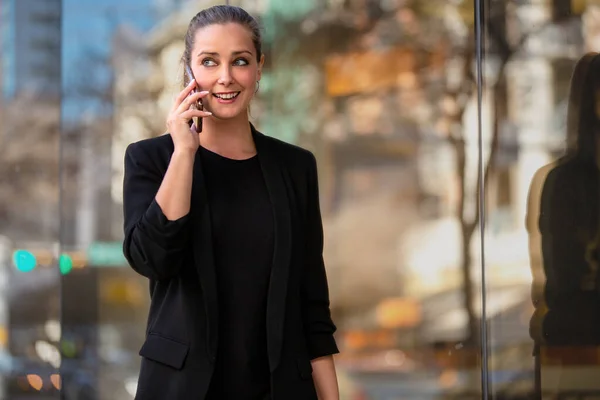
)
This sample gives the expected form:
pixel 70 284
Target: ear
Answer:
pixel 260 66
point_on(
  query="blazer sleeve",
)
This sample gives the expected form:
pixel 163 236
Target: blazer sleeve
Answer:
pixel 318 325
pixel 153 245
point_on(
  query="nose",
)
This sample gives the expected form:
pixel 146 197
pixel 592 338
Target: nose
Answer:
pixel 225 77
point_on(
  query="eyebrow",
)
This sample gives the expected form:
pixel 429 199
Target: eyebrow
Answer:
pixel 212 53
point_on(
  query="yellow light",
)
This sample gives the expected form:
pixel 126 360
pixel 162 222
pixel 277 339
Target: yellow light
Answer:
pixel 55 379
pixel 35 381
pixel 3 336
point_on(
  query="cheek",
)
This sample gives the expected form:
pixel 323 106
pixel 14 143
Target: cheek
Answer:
pixel 204 84
pixel 247 79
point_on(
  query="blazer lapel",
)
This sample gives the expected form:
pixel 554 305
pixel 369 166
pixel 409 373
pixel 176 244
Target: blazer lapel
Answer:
pixel 274 180
pixel 203 255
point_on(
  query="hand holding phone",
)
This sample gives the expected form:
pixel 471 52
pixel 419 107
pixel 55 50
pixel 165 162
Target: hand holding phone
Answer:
pixel 179 120
pixel 198 105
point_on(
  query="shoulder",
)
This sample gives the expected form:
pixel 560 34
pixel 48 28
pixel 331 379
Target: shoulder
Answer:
pixel 540 177
pixel 567 172
pixel 156 151
pixel 156 146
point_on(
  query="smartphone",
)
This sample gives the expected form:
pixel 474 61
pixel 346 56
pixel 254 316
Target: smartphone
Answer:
pixel 198 105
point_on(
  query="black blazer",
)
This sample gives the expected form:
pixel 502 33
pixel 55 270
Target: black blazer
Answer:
pixel 181 337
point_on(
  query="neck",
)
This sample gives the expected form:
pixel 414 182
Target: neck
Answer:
pixel 231 138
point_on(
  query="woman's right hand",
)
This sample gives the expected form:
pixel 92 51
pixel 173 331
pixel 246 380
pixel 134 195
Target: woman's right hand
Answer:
pixel 184 137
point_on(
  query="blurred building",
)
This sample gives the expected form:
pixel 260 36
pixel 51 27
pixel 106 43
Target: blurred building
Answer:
pixel 30 40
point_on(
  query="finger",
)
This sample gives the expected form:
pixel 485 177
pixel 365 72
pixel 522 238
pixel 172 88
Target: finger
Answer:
pixel 184 93
pixel 187 115
pixel 190 101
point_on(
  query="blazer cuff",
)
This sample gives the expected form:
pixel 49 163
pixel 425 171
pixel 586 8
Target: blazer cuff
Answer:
pixel 160 228
pixel 321 345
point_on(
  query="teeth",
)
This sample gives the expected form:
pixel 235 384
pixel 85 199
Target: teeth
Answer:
pixel 227 96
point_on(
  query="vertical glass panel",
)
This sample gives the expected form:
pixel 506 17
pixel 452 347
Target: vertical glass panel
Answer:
pixel 542 198
pixel 106 80
pixel 30 359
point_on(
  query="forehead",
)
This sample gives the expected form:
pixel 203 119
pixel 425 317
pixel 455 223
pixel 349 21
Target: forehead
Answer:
pixel 223 38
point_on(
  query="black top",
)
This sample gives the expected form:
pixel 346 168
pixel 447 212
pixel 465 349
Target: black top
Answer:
pixel 242 227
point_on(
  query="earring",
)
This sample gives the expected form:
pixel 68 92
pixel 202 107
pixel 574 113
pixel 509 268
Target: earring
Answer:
pixel 257 86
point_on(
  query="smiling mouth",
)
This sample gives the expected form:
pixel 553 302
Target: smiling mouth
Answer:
pixel 226 96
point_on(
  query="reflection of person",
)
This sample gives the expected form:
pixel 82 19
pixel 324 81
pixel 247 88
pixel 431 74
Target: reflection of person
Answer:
pixel 226 225
pixel 563 225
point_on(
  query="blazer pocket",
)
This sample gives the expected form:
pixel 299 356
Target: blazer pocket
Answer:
pixel 304 368
pixel 164 350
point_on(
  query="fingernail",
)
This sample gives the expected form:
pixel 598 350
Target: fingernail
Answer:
pixel 204 92
pixel 208 112
pixel 190 83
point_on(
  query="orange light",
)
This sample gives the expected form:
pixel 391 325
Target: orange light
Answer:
pixel 393 313
pixel 55 379
pixel 355 340
pixel 448 379
pixel 79 259
pixel 35 382
pixel 3 336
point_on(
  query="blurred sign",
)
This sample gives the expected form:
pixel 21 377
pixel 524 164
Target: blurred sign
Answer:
pixel 122 292
pixel 106 254
pixel 360 339
pixel 368 71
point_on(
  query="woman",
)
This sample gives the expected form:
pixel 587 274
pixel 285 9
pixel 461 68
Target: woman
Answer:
pixel 563 223
pixel 226 225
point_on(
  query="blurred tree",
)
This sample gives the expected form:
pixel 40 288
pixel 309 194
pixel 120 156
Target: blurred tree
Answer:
pixel 29 161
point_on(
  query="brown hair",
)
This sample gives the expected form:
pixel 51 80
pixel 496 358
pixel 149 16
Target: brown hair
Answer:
pixel 583 121
pixel 221 14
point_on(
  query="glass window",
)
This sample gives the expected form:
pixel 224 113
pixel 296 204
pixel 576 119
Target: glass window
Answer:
pixel 456 150
pixel 541 242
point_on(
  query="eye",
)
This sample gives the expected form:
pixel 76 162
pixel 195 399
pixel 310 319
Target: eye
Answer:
pixel 208 62
pixel 241 62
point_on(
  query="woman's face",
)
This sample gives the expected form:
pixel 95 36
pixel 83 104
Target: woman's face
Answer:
pixel 223 62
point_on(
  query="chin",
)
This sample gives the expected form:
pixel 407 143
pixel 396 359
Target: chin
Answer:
pixel 227 115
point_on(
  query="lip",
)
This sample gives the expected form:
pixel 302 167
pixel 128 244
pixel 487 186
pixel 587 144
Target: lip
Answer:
pixel 226 101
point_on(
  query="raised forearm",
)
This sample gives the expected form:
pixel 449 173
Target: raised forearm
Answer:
pixel 174 195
